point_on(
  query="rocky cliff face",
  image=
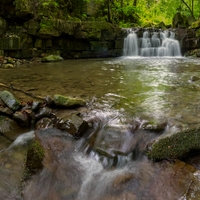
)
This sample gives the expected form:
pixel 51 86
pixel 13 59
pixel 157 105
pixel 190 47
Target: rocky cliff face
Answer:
pixel 190 39
pixel 34 27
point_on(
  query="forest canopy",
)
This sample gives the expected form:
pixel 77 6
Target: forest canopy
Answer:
pixel 144 12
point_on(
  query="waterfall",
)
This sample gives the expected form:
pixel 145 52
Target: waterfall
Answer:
pixel 161 43
pixel 131 45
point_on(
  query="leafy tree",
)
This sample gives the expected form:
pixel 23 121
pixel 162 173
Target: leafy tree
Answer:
pixel 140 12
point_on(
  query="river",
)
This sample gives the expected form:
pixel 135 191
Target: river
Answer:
pixel 120 93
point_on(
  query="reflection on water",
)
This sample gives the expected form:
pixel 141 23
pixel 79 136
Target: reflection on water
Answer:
pixel 138 86
pixel 149 86
pixel 123 94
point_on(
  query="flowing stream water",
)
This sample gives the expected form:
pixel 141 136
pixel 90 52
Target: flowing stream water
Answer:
pixel 109 163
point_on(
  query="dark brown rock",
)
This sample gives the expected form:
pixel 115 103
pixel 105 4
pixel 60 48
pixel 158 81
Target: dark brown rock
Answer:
pixel 74 125
pixel 43 112
pixel 23 117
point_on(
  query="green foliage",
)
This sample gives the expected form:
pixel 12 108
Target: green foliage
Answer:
pixel 48 3
pixel 148 12
pixel 122 13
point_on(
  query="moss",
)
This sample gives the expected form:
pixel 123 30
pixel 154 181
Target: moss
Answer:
pixel 52 58
pixel 47 28
pixel 195 24
pixel 33 161
pixel 177 145
pixel 64 101
pixel 197 32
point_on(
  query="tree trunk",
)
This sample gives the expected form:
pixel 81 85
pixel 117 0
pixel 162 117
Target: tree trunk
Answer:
pixel 135 3
pixel 122 5
pixel 109 12
pixel 192 6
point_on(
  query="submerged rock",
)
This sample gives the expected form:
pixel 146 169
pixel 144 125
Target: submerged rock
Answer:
pixel 9 99
pixel 44 123
pixel 65 101
pixel 175 145
pixel 114 140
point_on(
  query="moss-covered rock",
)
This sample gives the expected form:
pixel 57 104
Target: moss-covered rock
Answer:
pixel 24 9
pixel 195 24
pixel 65 101
pixel 9 99
pixel 51 58
pixel 175 145
pixel 33 160
pixel 47 29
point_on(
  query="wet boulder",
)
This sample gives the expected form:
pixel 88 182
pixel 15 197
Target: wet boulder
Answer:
pixel 61 176
pixel 43 112
pixel 65 101
pixel 74 125
pixel 174 144
pixel 35 105
pixel 9 130
pixel 23 117
pixel 9 99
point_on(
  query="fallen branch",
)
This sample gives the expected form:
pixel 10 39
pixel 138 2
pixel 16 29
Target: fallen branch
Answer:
pixel 20 90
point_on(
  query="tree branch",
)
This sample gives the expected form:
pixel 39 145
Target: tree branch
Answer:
pixel 20 90
pixel 188 8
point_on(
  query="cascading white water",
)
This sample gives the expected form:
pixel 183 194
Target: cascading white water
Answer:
pixel 152 44
pixel 131 45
